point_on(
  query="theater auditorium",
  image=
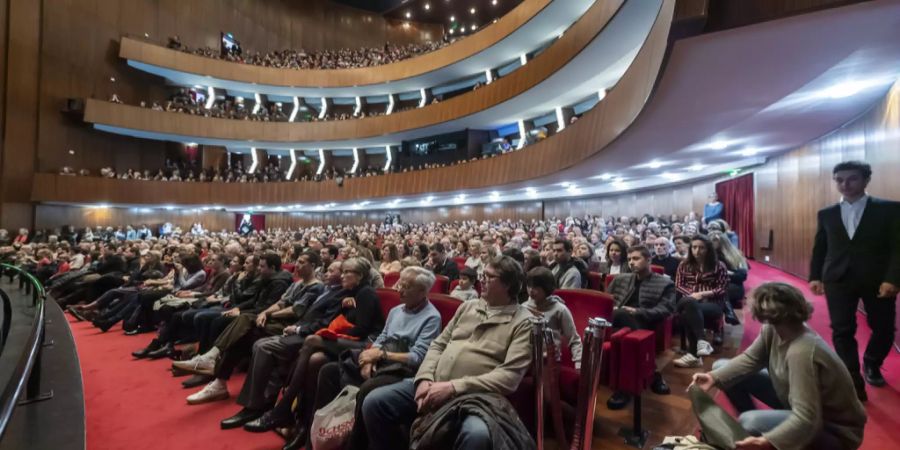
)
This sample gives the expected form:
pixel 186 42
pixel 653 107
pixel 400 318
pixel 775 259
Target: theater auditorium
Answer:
pixel 449 224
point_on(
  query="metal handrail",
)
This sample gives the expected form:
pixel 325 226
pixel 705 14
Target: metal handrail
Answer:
pixel 26 376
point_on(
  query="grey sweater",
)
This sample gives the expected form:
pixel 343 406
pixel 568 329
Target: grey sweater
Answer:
pixel 560 320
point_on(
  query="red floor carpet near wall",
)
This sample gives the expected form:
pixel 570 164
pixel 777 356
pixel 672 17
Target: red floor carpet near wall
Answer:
pixel 138 404
pixel 883 406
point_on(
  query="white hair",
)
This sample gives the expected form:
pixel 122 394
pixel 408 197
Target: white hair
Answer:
pixel 422 277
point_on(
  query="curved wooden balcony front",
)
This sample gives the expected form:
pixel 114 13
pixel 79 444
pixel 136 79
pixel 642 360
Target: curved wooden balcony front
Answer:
pixel 580 140
pixel 516 83
pixel 157 55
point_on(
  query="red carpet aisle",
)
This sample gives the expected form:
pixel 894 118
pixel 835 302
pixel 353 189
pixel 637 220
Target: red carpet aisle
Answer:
pixel 137 404
pixel 884 403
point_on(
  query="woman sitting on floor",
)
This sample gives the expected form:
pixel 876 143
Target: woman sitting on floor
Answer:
pixel 793 371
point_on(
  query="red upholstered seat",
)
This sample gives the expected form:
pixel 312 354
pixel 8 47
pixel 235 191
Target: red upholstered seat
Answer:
pixel 390 279
pixel 460 262
pixel 607 281
pixel 441 284
pixel 446 305
pixel 585 304
pixel 595 281
pixel 387 298
pixel 664 334
pixel 658 269
pixel 289 267
pixel 636 361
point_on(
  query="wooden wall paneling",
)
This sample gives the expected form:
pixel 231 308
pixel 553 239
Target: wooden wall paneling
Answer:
pixel 323 27
pixel 20 127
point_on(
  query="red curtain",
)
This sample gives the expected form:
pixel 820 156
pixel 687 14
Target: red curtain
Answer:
pixel 737 199
pixel 257 220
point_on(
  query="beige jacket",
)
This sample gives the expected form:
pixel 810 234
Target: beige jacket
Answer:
pixel 478 354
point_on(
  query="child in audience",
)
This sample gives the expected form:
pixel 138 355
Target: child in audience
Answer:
pixel 465 290
pixel 541 302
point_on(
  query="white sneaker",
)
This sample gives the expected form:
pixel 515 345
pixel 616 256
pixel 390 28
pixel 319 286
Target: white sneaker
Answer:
pixel 704 348
pixel 215 390
pixel 689 361
pixel 199 365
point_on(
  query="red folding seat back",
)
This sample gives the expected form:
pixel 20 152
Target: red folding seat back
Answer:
pixel 390 279
pixel 615 357
pixel 658 269
pixel 460 262
pixel 607 281
pixel 595 281
pixel 387 299
pixel 664 334
pixel 441 284
pixel 585 304
pixel 445 305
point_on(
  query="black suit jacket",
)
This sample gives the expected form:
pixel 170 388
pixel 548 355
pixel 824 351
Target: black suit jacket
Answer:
pixel 871 257
pixel 449 269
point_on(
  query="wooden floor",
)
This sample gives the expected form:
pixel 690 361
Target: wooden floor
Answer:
pixel 663 415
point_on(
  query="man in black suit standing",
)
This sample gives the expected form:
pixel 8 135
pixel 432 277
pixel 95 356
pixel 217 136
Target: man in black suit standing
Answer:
pixel 856 255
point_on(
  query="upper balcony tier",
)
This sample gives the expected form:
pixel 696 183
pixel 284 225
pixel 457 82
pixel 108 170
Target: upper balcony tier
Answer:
pixel 590 57
pixel 580 140
pixel 529 26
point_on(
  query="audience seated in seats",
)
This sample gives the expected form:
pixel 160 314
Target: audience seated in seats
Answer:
pixel 662 256
pixel 615 257
pixel 737 273
pixel 390 260
pixel 793 371
pixel 177 320
pixel 701 281
pixel 440 264
pixel 475 259
pixel 643 300
pixel 543 303
pixel 395 355
pixel 682 246
pixel 570 273
pixel 230 345
pixel 465 289
pixel 186 277
pixel 585 252
pixel 462 365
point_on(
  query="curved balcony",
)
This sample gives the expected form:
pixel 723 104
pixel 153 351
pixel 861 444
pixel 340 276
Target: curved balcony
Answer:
pixel 470 110
pixel 527 27
pixel 581 140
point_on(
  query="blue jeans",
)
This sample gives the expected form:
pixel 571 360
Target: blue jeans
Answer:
pixel 758 421
pixel 390 410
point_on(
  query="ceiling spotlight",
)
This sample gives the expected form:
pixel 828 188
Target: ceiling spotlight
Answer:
pixel 749 151
pixel 845 89
pixel 452 30
pixel 453 18
pixel 696 167
pixel 408 15
pixel 472 28
pixel 494 2
pixel 574 190
pixel 531 192
pixel 654 164
pixel 427 7
pixel 670 176
pixel 719 145
pixel 472 11
pixel 606 176
pixel 601 94
pixel 495 195
pixel 113 79
pixel 565 184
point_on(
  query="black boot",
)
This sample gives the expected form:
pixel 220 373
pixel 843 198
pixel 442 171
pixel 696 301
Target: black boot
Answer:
pixel 144 352
pixel 103 324
pixel 162 351
pixel 659 386
pixel 872 374
pixel 299 439
pixel 618 400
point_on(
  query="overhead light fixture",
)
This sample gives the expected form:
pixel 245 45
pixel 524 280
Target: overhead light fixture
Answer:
pixel 390 107
pixel 408 15
pixel 295 110
pixel 324 108
pixel 358 107
pixel 565 184
pixel 670 176
pixel 654 164
pixel 696 167
pixel 472 28
pixel 749 151
pixel 210 97
pixel 606 176
pixel 321 162
pixel 255 160
pixel 521 135
pixel 560 120
pixel 488 76
pixel 719 144
pixel 427 7
pixel 459 198
pixel 422 98
pixel 495 195
pixel 494 2
pixel 290 172
pixel 472 11
pixel 573 190
pixel 601 94
pixel 845 89
pixel 523 58
pixel 355 160
pixel 258 103
pixel 428 200
pixel 531 192
pixel 452 30
pixel 453 18
pixel 387 164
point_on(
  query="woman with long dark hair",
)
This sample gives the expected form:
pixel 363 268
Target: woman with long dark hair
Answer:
pixel 702 281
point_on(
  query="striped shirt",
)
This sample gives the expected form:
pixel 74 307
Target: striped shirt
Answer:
pixel 688 281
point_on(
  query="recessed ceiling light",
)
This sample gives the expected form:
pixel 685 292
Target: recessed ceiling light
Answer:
pixel 472 11
pixel 845 89
pixel 719 145
pixel 565 184
pixel 494 2
pixel 408 15
pixel 696 167
pixel 606 176
pixel 453 18
pixel 670 176
pixel 655 164
pixel 452 31
pixel 749 151
pixel 495 195
pixel 472 27
pixel 531 192
pixel 427 7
